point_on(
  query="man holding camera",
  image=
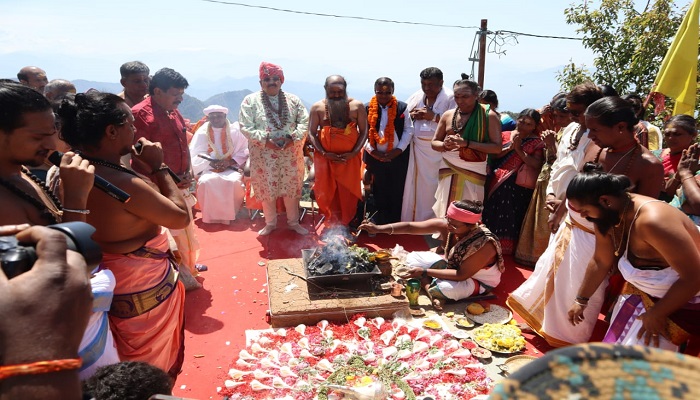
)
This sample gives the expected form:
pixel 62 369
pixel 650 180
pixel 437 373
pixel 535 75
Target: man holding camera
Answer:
pixel 28 131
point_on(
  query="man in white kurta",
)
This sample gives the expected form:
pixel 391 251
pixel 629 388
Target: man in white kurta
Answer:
pixel 219 150
pixel 276 125
pixel 424 162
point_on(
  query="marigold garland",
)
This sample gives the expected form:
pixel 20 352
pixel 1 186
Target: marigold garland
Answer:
pixel 373 118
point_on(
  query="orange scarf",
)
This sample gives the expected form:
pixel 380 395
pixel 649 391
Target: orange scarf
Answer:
pixel 372 121
pixel 226 145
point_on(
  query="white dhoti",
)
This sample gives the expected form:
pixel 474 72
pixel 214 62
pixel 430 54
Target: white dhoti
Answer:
pixel 220 196
pixel 464 181
pixel 544 299
pixel 421 180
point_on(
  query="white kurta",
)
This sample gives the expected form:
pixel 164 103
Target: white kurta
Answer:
pixel 568 162
pixel 424 162
pixel 220 194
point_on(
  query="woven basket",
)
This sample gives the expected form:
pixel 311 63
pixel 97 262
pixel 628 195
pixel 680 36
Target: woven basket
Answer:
pixel 604 371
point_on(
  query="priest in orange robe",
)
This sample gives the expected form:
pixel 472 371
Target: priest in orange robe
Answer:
pixel 338 131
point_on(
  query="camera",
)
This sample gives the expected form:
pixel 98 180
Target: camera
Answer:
pixel 18 258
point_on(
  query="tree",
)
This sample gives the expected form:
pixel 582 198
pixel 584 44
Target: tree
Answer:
pixel 572 75
pixel 629 45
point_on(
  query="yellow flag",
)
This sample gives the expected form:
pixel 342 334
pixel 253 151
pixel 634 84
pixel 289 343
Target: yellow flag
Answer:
pixel 677 77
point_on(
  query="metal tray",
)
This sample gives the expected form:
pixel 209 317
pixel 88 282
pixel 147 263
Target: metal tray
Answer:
pixel 329 280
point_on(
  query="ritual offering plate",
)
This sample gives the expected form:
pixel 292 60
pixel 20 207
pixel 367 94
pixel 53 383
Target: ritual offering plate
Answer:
pixel 478 352
pixel 432 324
pixel 500 338
pixel 495 314
pixel 514 363
pixel 464 323
pixel 336 262
pixel 459 334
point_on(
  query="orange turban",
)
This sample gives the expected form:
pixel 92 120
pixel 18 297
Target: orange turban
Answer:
pixel 270 69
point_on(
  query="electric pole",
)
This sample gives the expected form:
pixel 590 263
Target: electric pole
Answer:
pixel 482 52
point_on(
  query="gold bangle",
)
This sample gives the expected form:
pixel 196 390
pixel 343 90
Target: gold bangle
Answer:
pixel 392 229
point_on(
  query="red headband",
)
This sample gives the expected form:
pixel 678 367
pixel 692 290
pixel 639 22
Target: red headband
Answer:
pixel 462 215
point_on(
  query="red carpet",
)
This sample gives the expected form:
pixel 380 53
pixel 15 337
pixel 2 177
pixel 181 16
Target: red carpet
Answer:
pixel 234 296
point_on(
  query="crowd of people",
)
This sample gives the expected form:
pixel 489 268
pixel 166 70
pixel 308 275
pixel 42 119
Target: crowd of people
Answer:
pixel 582 190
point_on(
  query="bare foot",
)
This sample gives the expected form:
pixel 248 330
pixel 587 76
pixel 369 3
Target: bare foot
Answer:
pixel 437 304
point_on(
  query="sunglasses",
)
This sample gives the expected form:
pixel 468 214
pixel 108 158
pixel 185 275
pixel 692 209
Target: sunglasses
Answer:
pixel 272 79
pixel 383 93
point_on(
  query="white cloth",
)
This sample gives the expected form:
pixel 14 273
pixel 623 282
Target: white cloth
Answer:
pixel 544 299
pixel 424 162
pixel 471 190
pixel 628 336
pixel 215 108
pixel 455 290
pixel 220 194
pixel 406 135
pixel 568 162
pixel 97 345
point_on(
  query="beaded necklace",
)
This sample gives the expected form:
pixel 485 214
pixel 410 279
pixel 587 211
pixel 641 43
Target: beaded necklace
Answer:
pixel 575 138
pixel 45 210
pixel 455 128
pixel 108 164
pixel 279 117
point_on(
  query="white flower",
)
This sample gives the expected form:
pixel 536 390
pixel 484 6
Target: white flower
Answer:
pixel 461 353
pixel 278 383
pixel 378 322
pixel 231 384
pixel 244 363
pixel 404 354
pixel 325 365
pixel 301 328
pixel 238 374
pixel 306 354
pixel 360 321
pixel 264 340
pixel 328 333
pixel 389 351
pixel 435 338
pixel 420 347
pixel 304 343
pixel 258 374
pixel 456 372
pixel 286 371
pixel 267 363
pixel 286 348
pixel 257 385
pixel 322 325
pixel 256 348
pixel 386 337
pixel 244 355
pixel 281 332
pixel 435 355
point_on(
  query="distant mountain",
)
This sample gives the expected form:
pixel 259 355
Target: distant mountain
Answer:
pixel 193 109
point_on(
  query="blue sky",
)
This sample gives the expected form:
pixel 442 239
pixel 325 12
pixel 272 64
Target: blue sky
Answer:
pixel 80 39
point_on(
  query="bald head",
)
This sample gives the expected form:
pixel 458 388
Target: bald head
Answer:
pixel 33 77
pixel 57 88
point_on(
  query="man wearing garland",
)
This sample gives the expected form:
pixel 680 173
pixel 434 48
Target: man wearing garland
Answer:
pixel 465 136
pixel 275 123
pixel 386 156
pixel 219 151
pixel 425 107
pixel 338 130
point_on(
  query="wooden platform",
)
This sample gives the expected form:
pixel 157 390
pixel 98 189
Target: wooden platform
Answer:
pixel 293 301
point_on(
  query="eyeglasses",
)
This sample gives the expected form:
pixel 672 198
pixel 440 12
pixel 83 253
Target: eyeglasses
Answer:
pixel 383 93
pixel 272 79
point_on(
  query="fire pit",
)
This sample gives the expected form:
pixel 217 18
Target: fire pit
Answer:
pixel 337 263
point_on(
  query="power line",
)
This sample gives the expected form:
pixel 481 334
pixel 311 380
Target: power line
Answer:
pixel 230 3
pixel 538 36
pixel 497 33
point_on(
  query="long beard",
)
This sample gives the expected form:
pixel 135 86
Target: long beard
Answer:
pixel 606 221
pixel 339 112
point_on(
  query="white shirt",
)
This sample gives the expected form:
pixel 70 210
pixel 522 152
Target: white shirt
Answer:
pixel 405 136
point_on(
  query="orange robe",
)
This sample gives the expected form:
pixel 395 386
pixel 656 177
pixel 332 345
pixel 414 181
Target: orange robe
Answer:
pixel 337 185
pixel 156 336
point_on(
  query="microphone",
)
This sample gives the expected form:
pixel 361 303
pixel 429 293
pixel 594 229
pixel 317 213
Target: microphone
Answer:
pixel 100 182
